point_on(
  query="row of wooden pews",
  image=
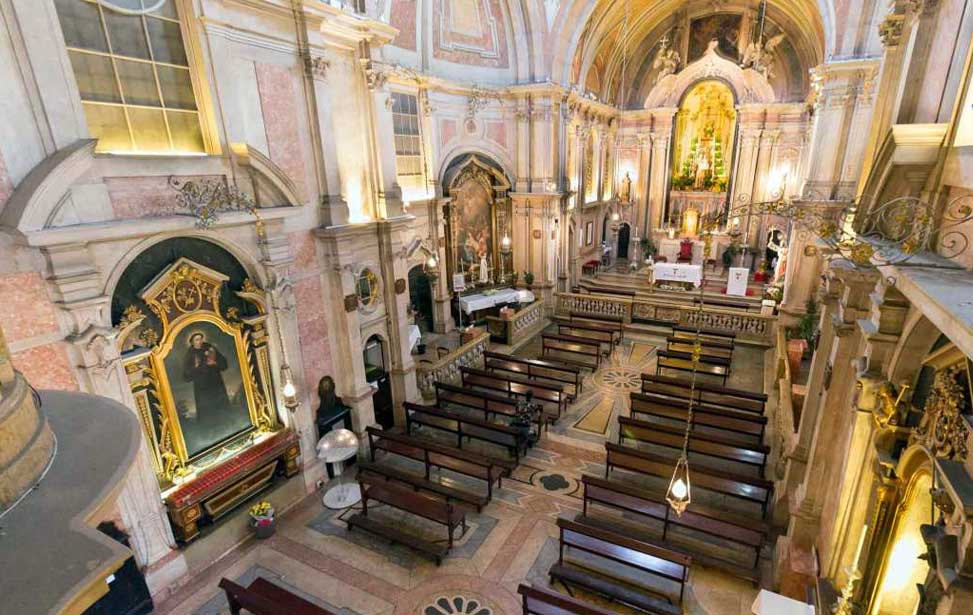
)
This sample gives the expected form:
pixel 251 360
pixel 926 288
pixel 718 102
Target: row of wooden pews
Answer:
pixel 438 437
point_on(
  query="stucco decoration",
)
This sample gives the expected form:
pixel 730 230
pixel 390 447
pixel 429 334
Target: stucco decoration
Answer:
pixel 471 32
pixel 943 429
pixel 749 85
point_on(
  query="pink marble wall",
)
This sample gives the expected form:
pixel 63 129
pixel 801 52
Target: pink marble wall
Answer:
pixel 403 17
pixel 305 257
pixel 26 309
pixel 312 329
pixel 447 132
pixel 6 185
pixel 491 41
pixel 145 197
pixel 278 102
pixel 46 367
pixel 497 132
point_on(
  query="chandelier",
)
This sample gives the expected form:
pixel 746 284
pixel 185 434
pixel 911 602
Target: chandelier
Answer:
pixel 903 232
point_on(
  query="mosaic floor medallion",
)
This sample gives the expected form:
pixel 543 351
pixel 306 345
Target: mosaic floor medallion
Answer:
pixel 457 605
pixel 555 482
pixel 619 379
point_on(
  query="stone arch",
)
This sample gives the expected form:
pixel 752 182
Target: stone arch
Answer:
pixel 484 151
pixel 748 86
pixel 919 334
pixel 457 163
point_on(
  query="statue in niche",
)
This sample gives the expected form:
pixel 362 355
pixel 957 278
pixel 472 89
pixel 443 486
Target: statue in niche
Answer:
pixel 666 61
pixel 759 55
pixel 625 192
pixel 330 404
pixel 484 270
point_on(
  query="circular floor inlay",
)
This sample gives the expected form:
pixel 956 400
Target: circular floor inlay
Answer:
pixel 457 605
pixel 620 379
pixel 554 482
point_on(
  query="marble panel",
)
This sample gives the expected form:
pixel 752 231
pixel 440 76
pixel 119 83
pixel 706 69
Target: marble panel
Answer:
pixel 497 132
pixel 278 100
pixel 471 32
pixel 312 329
pixel 447 132
pixel 47 367
pixel 305 258
pixel 403 18
pixel 145 197
pixel 25 311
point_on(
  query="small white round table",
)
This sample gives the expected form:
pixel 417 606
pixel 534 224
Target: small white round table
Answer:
pixel 338 447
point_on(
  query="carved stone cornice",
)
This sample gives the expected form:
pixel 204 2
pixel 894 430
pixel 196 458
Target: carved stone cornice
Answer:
pixel 890 30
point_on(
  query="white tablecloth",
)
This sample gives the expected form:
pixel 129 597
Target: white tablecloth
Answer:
pixel 415 335
pixel 769 603
pixel 677 272
pixel 474 303
pixel 736 283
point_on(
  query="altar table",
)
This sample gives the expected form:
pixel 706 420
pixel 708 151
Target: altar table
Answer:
pixel 475 303
pixel 677 272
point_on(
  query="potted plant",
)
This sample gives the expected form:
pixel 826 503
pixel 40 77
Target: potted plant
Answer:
pixel 262 520
pixel 513 279
pixel 730 253
pixel 807 326
pixel 529 279
pixel 648 249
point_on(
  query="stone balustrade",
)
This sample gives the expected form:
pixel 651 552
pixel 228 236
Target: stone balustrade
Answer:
pixel 523 324
pixel 749 326
pixel 446 368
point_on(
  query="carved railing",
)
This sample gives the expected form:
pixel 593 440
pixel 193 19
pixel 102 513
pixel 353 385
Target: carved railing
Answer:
pixel 446 368
pixel 523 323
pixel 748 326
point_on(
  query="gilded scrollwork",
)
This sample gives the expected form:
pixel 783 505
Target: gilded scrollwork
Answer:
pixel 942 429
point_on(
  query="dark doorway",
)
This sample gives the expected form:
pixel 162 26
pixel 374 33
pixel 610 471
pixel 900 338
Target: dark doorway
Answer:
pixel 623 238
pixel 420 296
pixel 377 375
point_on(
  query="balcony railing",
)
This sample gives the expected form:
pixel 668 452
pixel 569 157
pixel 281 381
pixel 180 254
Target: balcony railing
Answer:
pixel 446 368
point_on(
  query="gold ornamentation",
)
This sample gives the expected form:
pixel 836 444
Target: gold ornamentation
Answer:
pixel 149 337
pixel 206 199
pixel 942 429
pixel 250 287
pixel 131 315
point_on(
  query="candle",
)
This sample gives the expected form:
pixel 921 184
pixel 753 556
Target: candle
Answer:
pixel 861 545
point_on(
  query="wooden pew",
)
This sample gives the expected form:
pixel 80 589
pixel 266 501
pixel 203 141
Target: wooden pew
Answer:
pixel 436 455
pixel 706 349
pixel 641 557
pixel 605 336
pixel 572 350
pixel 540 601
pixel 707 393
pixel 492 405
pixel 262 597
pixel 746 535
pixel 602 290
pixel 722 447
pixel 419 483
pixel 746 488
pixel 439 511
pixel 550 396
pixel 536 369
pixel 463 427
pixel 730 421
pixel 683 362
pixel 615 323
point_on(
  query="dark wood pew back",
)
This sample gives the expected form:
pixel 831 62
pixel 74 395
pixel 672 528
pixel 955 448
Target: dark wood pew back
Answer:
pixel 540 601
pixel 262 597
pixel 549 394
pixel 572 350
pixel 747 424
pixel 537 369
pixel 434 417
pixel 707 392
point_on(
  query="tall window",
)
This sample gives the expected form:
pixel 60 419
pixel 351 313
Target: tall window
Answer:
pixel 133 75
pixel 408 143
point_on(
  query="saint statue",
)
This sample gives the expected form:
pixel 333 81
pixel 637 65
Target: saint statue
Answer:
pixel 484 270
pixel 702 169
pixel 625 192
pixel 666 61
pixel 204 366
pixel 760 55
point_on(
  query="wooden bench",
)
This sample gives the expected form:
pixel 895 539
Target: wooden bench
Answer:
pixel 748 425
pixel 549 395
pixel 724 447
pixel 420 483
pixel 436 510
pixel 707 393
pixel 706 349
pixel 602 290
pixel 615 323
pixel 572 350
pixel 605 336
pixel 641 557
pixel 434 417
pixel 747 488
pixel 262 597
pixel 536 369
pixel 434 455
pixel 540 601
pixel 746 535
pixel 684 363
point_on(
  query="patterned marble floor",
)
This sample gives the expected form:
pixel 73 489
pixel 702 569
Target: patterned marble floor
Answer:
pixel 512 540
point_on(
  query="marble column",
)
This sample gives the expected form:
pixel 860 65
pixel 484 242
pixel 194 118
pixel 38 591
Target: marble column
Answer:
pixel 379 169
pixel 640 192
pixel 659 167
pixel 393 237
pixel 85 313
pixel 334 208
pixel 442 316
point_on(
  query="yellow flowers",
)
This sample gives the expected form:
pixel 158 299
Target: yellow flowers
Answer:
pixel 262 509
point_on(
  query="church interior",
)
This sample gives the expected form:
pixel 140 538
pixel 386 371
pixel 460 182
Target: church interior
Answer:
pixel 486 307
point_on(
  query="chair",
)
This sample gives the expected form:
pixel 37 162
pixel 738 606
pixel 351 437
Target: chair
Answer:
pixel 442 351
pixel 685 251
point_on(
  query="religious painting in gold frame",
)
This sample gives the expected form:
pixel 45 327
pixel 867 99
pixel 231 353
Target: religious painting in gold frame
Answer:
pixel 203 386
pixel 477 217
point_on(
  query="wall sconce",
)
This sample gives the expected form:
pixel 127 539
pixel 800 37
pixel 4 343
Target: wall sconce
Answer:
pixel 432 267
pixel 505 244
pixel 616 217
pixel 288 389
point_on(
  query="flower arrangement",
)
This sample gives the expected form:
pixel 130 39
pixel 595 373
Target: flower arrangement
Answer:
pixel 262 519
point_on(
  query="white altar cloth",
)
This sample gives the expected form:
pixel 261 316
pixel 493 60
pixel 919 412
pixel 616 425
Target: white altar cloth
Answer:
pixel 769 603
pixel 736 283
pixel 474 303
pixel 415 335
pixel 677 272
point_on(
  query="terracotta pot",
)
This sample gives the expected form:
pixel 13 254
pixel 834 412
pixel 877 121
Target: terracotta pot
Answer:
pixel 795 352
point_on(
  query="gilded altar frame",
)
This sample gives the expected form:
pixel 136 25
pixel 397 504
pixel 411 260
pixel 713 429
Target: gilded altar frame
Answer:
pixel 184 294
pixel 501 215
